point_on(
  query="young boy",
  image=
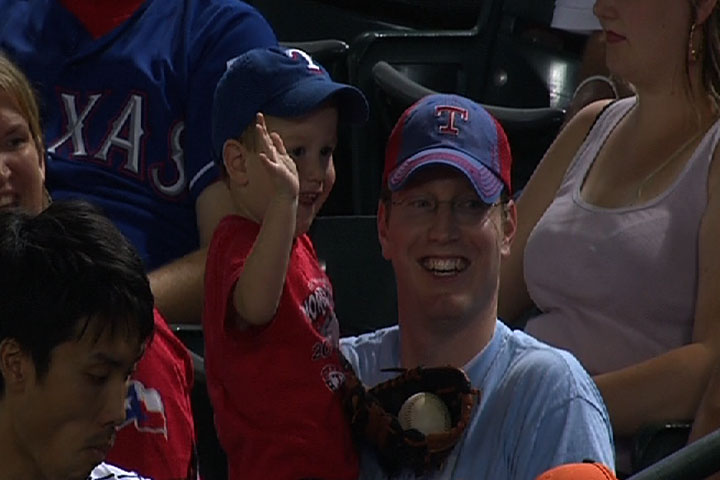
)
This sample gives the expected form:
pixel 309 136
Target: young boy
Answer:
pixel 271 334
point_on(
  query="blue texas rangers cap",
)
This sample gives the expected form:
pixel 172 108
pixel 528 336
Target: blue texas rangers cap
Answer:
pixel 277 81
pixel 449 130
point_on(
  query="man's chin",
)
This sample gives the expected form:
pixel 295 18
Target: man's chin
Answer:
pixel 80 473
pixel 448 310
pixel 82 470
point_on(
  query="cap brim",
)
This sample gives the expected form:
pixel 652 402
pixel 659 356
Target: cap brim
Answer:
pixel 307 95
pixel 487 185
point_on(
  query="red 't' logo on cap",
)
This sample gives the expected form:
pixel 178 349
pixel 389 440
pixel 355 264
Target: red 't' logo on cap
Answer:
pixel 450 127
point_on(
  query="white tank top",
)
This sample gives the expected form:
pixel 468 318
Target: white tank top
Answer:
pixel 618 285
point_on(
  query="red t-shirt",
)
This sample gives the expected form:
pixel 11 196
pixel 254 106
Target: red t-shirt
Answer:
pixel 274 389
pixel 157 439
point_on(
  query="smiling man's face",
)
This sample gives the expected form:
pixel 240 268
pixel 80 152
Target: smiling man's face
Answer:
pixel 446 264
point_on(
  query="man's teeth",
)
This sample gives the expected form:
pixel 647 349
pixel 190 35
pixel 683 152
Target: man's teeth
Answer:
pixel 445 266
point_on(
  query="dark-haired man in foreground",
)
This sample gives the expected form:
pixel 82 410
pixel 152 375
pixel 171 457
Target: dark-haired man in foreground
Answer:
pixel 76 313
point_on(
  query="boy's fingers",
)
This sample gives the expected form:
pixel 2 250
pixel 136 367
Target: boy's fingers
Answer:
pixel 273 148
pixel 266 144
pixel 260 124
pixel 278 143
pixel 268 162
pixel 260 119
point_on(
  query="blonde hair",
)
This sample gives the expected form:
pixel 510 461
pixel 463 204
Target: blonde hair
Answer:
pixel 15 83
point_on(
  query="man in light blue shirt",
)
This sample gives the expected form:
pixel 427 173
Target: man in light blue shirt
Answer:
pixel 445 221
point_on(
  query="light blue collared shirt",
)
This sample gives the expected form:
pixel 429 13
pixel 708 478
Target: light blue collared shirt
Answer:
pixel 538 408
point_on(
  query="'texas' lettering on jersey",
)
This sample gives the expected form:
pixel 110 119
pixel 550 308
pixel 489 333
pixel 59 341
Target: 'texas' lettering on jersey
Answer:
pixel 122 143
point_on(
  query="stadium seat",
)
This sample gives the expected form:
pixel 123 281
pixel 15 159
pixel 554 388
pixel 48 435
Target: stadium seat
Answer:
pixel 501 61
pixel 191 336
pixel 363 281
pixel 211 457
pixel 303 20
pixel 532 64
pixel 445 60
pixel 692 462
pixel 656 442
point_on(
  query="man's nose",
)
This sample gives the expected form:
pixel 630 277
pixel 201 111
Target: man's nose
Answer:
pixel 113 410
pixel 444 225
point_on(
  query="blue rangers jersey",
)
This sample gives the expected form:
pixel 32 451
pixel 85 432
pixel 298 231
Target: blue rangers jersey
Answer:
pixel 127 115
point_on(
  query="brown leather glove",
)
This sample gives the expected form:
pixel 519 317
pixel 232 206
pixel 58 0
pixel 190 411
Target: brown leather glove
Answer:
pixel 373 416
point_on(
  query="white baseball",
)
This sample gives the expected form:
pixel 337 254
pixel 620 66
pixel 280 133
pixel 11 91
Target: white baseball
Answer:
pixel 425 412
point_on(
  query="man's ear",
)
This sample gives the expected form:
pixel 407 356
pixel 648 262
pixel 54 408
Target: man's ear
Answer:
pixel 235 157
pixel 382 227
pixel 509 226
pixel 16 365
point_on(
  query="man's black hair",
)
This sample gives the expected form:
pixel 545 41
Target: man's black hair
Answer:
pixel 65 273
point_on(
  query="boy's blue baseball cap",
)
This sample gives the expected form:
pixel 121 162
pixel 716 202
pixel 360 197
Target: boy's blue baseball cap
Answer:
pixel 447 129
pixel 277 81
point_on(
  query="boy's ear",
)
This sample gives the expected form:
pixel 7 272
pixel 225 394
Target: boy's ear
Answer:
pixel 16 365
pixel 235 157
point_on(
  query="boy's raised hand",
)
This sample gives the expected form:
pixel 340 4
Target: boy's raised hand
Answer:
pixel 279 165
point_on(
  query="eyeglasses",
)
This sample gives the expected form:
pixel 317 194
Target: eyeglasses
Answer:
pixel 468 210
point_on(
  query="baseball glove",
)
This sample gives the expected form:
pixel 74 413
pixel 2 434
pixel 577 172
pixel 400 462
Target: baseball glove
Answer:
pixel 374 420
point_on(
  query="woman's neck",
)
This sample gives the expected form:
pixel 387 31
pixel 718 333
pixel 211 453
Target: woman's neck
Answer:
pixel 680 104
pixel 678 113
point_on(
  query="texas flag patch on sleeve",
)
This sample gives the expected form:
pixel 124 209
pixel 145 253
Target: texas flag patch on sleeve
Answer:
pixel 144 409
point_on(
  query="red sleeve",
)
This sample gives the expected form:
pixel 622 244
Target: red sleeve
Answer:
pixel 158 437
